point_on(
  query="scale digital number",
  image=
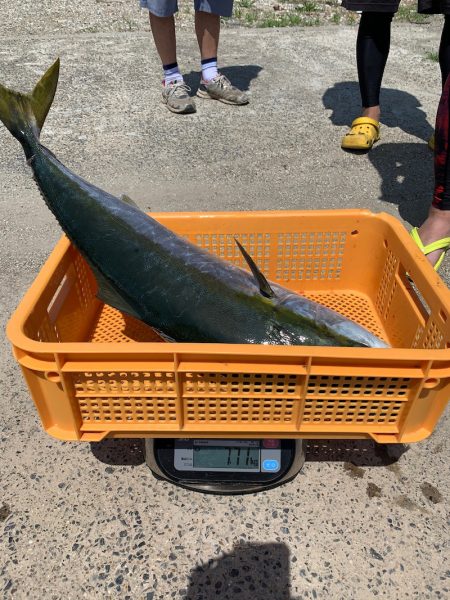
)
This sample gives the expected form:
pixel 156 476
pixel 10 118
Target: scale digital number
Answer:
pixel 244 456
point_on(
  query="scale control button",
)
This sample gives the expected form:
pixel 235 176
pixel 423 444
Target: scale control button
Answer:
pixel 271 465
pixel 271 443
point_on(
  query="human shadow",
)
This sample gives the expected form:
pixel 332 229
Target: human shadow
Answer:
pixel 407 178
pixel 399 109
pixel 240 75
pixel 249 572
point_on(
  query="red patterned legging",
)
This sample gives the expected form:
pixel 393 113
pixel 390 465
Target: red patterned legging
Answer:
pixel 441 198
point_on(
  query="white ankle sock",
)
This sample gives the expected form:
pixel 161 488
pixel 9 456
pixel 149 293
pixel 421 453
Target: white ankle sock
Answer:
pixel 172 73
pixel 209 68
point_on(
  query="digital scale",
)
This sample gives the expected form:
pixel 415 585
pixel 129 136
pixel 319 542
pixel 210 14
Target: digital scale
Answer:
pixel 221 466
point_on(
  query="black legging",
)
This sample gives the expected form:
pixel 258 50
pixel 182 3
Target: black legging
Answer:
pixel 372 50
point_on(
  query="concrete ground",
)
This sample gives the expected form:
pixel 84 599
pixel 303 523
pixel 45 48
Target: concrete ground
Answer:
pixel 90 521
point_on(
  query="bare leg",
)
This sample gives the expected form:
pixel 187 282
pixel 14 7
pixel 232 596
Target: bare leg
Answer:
pixel 436 227
pixel 373 112
pixel 437 224
pixel 207 28
pixel 163 30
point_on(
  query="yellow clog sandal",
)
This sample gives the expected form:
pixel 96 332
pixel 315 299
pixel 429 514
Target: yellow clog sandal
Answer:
pixel 363 134
pixel 443 244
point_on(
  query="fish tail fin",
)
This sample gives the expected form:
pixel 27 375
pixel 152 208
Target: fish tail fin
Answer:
pixel 24 114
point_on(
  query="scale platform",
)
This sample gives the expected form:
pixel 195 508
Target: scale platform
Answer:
pixel 219 466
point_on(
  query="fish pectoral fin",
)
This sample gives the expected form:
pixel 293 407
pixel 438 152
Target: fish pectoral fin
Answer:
pixel 107 294
pixel 264 286
pixel 128 200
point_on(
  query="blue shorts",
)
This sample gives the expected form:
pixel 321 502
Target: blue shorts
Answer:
pixel 167 8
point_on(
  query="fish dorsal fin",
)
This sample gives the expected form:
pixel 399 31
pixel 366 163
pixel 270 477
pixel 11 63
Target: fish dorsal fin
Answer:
pixel 128 200
pixel 107 294
pixel 262 282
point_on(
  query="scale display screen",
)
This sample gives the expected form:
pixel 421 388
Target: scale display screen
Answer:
pixel 246 456
pixel 223 457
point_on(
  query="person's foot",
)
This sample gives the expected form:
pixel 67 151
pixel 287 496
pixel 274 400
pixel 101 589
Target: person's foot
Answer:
pixel 176 97
pixel 221 89
pixel 363 134
pixel 436 227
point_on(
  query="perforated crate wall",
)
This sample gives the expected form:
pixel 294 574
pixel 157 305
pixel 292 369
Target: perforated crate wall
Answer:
pixel 286 401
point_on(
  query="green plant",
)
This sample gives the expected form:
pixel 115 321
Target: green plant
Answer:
pixel 336 18
pixel 312 22
pixel 434 56
pixel 251 17
pixel 246 3
pixel 307 6
pixel 406 13
pixel 287 20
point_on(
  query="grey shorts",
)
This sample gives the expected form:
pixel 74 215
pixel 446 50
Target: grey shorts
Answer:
pixel 167 8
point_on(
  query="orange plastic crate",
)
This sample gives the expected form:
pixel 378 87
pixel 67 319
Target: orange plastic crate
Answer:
pixel 94 372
